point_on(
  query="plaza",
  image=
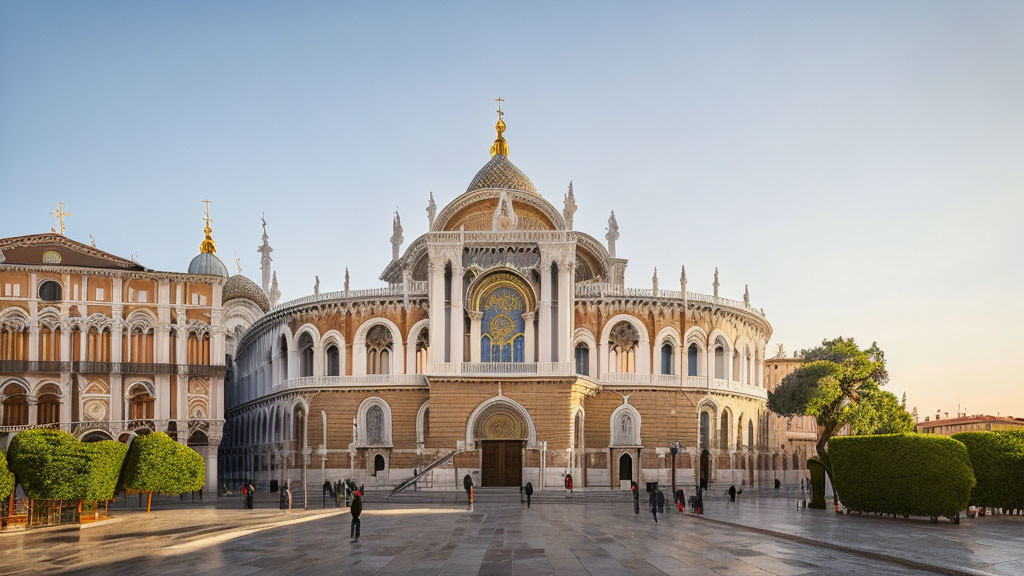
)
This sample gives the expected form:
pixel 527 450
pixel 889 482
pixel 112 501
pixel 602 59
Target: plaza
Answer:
pixel 586 534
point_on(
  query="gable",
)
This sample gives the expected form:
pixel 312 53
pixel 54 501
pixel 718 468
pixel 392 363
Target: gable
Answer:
pixel 57 250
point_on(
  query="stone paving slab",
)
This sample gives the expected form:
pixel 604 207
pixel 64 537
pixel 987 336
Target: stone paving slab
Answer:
pixel 603 538
pixel 991 546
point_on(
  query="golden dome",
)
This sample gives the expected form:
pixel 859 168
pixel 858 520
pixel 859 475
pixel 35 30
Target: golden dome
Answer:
pixel 501 174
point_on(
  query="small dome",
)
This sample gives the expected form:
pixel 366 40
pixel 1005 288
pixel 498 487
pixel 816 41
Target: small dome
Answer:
pixel 501 174
pixel 239 286
pixel 207 263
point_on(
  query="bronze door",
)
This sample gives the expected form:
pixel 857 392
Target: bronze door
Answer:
pixel 502 463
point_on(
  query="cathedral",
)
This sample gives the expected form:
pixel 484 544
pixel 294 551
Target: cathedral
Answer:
pixel 503 346
pixel 506 347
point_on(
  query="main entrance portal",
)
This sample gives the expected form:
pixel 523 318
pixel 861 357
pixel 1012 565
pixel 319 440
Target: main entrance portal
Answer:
pixel 502 463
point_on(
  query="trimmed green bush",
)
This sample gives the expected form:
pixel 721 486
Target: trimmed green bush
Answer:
pixel 998 462
pixel 54 465
pixel 904 474
pixel 158 464
pixel 6 478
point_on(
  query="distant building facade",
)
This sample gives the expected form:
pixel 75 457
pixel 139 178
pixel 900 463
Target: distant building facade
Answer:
pixel 792 440
pixel 964 423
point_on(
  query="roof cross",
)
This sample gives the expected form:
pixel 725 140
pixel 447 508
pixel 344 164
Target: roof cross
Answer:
pixel 499 100
pixel 60 214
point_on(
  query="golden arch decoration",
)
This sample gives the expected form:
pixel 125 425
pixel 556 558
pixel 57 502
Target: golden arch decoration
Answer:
pixel 500 422
pixel 487 284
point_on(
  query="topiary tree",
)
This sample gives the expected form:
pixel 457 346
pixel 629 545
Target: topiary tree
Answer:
pixel 998 462
pixel 54 465
pixel 904 474
pixel 6 478
pixel 156 463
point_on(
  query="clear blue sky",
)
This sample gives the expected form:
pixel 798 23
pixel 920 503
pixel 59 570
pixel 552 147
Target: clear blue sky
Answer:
pixel 861 166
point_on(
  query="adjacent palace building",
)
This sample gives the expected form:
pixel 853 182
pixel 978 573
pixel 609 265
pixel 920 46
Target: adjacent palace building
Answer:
pixel 505 346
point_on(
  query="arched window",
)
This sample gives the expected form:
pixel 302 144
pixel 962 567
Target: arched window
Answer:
pixel 378 464
pixel 422 350
pixel 305 355
pixel 49 291
pixel 583 359
pixel 723 432
pixel 750 434
pixel 15 406
pixel 622 345
pixel 379 345
pixel 736 367
pixel 48 411
pixel 282 358
pixel 666 358
pixel 719 362
pixel 691 359
pixel 705 430
pixel 333 360
pixel 140 403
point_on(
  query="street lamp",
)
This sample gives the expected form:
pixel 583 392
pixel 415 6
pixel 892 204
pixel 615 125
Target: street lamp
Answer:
pixel 674 447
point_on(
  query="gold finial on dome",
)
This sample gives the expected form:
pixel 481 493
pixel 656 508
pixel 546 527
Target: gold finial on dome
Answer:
pixel 208 247
pixel 500 146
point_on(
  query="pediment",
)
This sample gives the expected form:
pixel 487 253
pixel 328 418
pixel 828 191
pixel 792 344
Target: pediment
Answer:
pixel 57 250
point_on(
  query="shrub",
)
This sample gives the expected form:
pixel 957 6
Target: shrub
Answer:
pixel 6 478
pixel 52 464
pixel 817 469
pixel 156 463
pixel 998 462
pixel 905 474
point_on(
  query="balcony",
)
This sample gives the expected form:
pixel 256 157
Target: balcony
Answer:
pixel 511 368
pixel 351 381
pixel 143 368
pixel 34 366
pixel 683 383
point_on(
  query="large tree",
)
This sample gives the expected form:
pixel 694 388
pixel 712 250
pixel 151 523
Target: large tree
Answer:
pixel 830 386
pixel 880 412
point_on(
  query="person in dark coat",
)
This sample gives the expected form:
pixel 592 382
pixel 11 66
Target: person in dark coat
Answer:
pixel 680 500
pixel 245 496
pixel 653 502
pixel 529 492
pixel 467 483
pixel 249 497
pixel 732 493
pixel 634 489
pixel 356 510
pixel 661 501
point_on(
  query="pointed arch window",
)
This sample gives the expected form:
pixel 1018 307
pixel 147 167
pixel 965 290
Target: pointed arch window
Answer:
pixel 667 358
pixel 622 344
pixel 582 356
pixel 379 347
pixel 691 359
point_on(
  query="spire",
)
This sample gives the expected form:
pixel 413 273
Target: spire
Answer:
pixel 500 146
pixel 570 207
pixel 654 281
pixel 716 282
pixel 682 280
pixel 346 280
pixel 264 249
pixel 431 212
pixel 613 234
pixel 207 246
pixel 275 293
pixel 746 295
pixel 396 237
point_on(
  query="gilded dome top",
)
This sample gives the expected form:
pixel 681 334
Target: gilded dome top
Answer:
pixel 501 174
pixel 239 286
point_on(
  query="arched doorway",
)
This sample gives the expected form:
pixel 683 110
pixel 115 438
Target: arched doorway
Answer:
pixel 625 470
pixel 500 429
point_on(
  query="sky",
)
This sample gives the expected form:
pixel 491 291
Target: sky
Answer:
pixel 860 166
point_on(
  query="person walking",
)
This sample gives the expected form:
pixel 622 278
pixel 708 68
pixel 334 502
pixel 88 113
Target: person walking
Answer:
pixel 653 501
pixel 251 495
pixel 529 493
pixel 661 501
pixel 288 493
pixel 634 489
pixel 415 473
pixel 732 493
pixel 467 483
pixel 245 496
pixel 356 509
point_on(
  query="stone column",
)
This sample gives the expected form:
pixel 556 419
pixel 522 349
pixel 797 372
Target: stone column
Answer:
pixel 436 312
pixel 529 354
pixel 565 307
pixel 475 318
pixel 544 309
pixel 33 410
pixel 458 325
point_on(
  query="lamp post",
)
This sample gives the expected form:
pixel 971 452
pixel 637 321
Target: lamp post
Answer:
pixel 673 447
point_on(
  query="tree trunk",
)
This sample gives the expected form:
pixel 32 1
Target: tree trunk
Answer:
pixel 149 501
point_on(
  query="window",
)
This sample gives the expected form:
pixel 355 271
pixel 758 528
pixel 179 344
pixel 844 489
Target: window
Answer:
pixel 705 430
pixel 379 344
pixel 723 433
pixel 691 359
pixel 622 344
pixel 305 355
pixel 15 406
pixel 422 350
pixel 142 296
pixel 378 464
pixel 582 359
pixel 49 291
pixel 100 294
pixel 74 292
pixel 48 411
pixel 666 358
pixel 333 361
pixel 719 362
pixel 140 404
